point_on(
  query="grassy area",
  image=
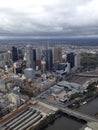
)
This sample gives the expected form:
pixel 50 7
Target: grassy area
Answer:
pixel 89 60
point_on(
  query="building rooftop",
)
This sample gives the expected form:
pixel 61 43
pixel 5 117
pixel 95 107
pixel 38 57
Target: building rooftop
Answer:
pixel 70 85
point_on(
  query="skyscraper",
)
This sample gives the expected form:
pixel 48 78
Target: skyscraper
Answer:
pixel 30 57
pixel 38 57
pixel 20 53
pixel 34 58
pixel 14 54
pixel 5 59
pixel 71 59
pixel 57 55
pixel 77 60
pixel 49 59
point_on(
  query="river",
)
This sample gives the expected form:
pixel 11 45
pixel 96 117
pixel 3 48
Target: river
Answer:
pixel 67 123
pixel 64 123
pixel 91 108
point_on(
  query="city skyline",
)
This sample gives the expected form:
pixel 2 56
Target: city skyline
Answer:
pixel 48 19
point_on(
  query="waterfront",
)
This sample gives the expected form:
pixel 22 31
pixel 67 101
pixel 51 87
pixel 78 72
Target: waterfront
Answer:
pixel 91 108
pixel 65 123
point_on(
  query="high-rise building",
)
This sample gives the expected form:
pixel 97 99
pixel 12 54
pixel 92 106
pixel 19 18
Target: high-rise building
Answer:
pixel 38 57
pixel 20 53
pixel 57 55
pixel 30 57
pixel 34 58
pixel 5 59
pixel 77 60
pixel 14 54
pixel 38 53
pixel 49 59
pixel 71 59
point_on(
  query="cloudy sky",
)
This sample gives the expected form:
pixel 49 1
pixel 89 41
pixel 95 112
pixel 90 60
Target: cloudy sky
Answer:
pixel 48 18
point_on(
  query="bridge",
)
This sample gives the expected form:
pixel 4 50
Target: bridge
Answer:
pixel 72 113
pixel 78 115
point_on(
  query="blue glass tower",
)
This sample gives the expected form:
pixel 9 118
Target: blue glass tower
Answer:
pixel 14 54
pixel 71 59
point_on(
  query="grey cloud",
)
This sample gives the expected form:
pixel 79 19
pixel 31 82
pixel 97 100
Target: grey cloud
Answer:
pixel 58 19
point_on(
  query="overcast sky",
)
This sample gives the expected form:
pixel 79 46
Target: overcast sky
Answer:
pixel 48 18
